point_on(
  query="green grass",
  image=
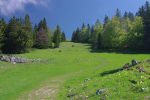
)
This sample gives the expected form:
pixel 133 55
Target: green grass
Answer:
pixel 76 63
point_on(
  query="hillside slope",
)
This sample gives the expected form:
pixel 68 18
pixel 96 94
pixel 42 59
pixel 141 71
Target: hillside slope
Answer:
pixel 132 83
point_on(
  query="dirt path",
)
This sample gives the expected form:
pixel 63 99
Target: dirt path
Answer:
pixel 47 90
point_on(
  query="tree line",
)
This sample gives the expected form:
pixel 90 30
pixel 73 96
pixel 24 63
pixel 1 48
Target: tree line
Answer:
pixel 19 36
pixel 127 31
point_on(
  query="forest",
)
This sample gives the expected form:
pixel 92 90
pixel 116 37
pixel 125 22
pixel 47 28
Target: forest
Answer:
pixel 127 31
pixel 19 36
pixel 122 31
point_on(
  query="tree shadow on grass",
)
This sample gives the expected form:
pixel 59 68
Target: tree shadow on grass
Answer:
pixel 125 51
pixel 111 72
pixel 117 51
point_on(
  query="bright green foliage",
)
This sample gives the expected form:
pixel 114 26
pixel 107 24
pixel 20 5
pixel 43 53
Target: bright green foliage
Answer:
pixel 117 33
pixel 96 34
pixel 125 33
pixel 135 35
pixel 114 34
pixel 88 34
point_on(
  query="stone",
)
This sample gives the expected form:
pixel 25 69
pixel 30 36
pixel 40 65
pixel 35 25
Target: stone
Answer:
pixel 14 60
pixel 134 62
pixel 148 61
pixel 141 69
pixel 100 91
pixel 126 66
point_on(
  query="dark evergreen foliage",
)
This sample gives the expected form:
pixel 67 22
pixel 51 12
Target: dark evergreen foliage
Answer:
pixel 16 37
pixel 3 26
pixel 144 12
pixel 42 40
pixel 63 37
pixel 57 37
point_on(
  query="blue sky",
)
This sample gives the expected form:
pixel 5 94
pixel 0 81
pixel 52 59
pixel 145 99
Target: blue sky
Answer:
pixel 69 14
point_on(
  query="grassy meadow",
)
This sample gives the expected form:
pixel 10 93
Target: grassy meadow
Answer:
pixel 66 70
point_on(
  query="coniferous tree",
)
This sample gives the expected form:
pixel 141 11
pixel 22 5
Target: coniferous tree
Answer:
pixel 125 16
pixel 118 13
pixel 144 12
pixel 57 37
pixel 88 32
pixel 99 41
pixel 63 37
pixel 16 37
pixel 35 31
pixel 131 16
pixel 2 30
pixel 106 19
pixel 42 40
pixel 42 37
pixel 27 27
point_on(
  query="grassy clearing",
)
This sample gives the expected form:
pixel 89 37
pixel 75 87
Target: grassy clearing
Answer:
pixel 77 63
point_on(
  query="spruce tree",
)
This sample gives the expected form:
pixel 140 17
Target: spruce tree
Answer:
pixel 42 40
pixel 106 19
pixel 42 37
pixel 125 16
pixel 16 37
pixel 144 12
pixel 35 31
pixel 99 41
pixel 118 13
pixel 57 37
pixel 2 30
pixel 63 37
pixel 28 29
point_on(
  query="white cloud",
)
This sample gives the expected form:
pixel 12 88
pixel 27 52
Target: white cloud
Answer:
pixel 11 6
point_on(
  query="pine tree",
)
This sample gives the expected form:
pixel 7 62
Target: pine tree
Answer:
pixel 106 19
pixel 88 32
pixel 118 13
pixel 99 41
pixel 125 16
pixel 2 30
pixel 35 31
pixel 28 29
pixel 144 12
pixel 131 16
pixel 73 36
pixel 57 37
pixel 16 38
pixel 42 37
pixel 63 37
pixel 44 25
pixel 78 35
pixel 42 40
